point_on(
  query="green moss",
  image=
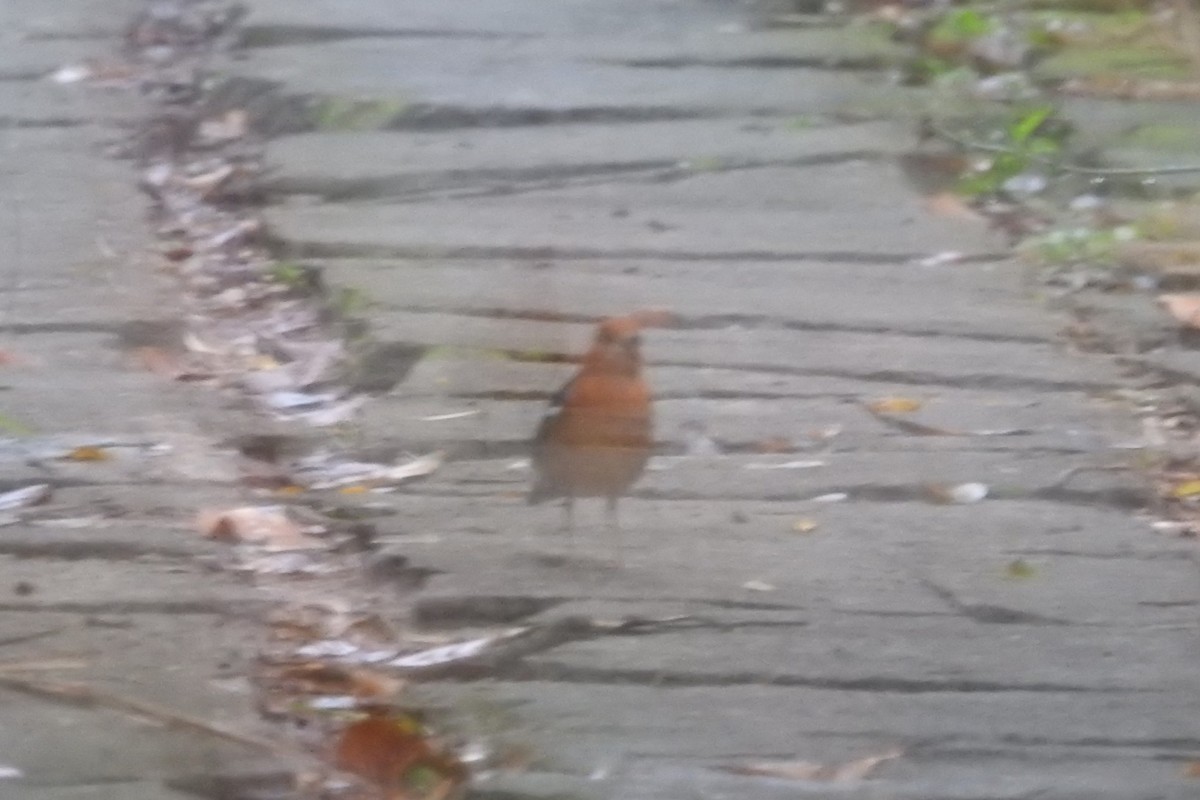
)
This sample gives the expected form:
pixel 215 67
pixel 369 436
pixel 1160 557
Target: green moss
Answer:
pixel 356 114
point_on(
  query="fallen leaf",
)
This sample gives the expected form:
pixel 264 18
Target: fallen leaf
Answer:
pixel 33 495
pixel 449 416
pixel 775 444
pixel 316 677
pixel 1019 569
pixel 1185 489
pixel 158 361
pixel 856 770
pixel 1185 308
pixel 88 453
pixel 386 749
pixel 894 405
pixel 357 488
pixel 957 494
pixel 949 204
pixel 71 73
pixel 269 526
pixel 804 526
pixel 8 359
pixel 1191 769
pixel 799 464
pixel 231 125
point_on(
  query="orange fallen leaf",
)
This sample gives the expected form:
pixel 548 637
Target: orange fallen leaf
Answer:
pixel 7 358
pixel 894 405
pixel 775 444
pixel 1191 769
pixel 1185 308
pixel 88 453
pixel 393 751
pixel 266 526
pixel 949 204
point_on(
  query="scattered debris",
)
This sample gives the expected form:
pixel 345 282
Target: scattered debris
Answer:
pixel 804 526
pixel 1185 308
pixel 800 464
pixel 324 471
pixel 856 770
pixel 394 751
pixel 267 526
pixel 26 496
pixel 894 405
pixel 956 494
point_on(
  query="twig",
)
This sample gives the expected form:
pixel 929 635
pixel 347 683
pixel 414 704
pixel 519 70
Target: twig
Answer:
pixel 82 696
pixel 1066 475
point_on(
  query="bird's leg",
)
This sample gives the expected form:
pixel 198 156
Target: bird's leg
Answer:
pixel 568 514
pixel 614 525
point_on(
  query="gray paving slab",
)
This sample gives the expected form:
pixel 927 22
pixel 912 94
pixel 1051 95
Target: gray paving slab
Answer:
pixel 688 219
pixel 1039 643
pixel 107 574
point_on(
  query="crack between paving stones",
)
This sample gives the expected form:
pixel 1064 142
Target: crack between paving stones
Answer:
pixel 683 321
pixel 389 189
pixel 299 248
pixel 559 672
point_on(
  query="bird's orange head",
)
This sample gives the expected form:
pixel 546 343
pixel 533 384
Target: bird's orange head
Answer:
pixel 617 347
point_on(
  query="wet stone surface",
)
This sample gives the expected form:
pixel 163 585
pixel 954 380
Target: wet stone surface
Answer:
pixel 485 180
pixel 588 158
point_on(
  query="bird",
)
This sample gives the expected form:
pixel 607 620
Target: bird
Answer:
pixel 597 434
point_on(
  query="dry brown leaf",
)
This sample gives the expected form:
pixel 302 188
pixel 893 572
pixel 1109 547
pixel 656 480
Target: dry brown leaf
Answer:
pixel 1185 308
pixel 949 204
pixel 956 494
pixel 88 453
pixel 811 771
pixel 267 526
pixel 385 748
pixel 775 444
pixel 159 361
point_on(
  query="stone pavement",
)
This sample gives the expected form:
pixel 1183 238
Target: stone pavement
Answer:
pixel 107 574
pixel 491 177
